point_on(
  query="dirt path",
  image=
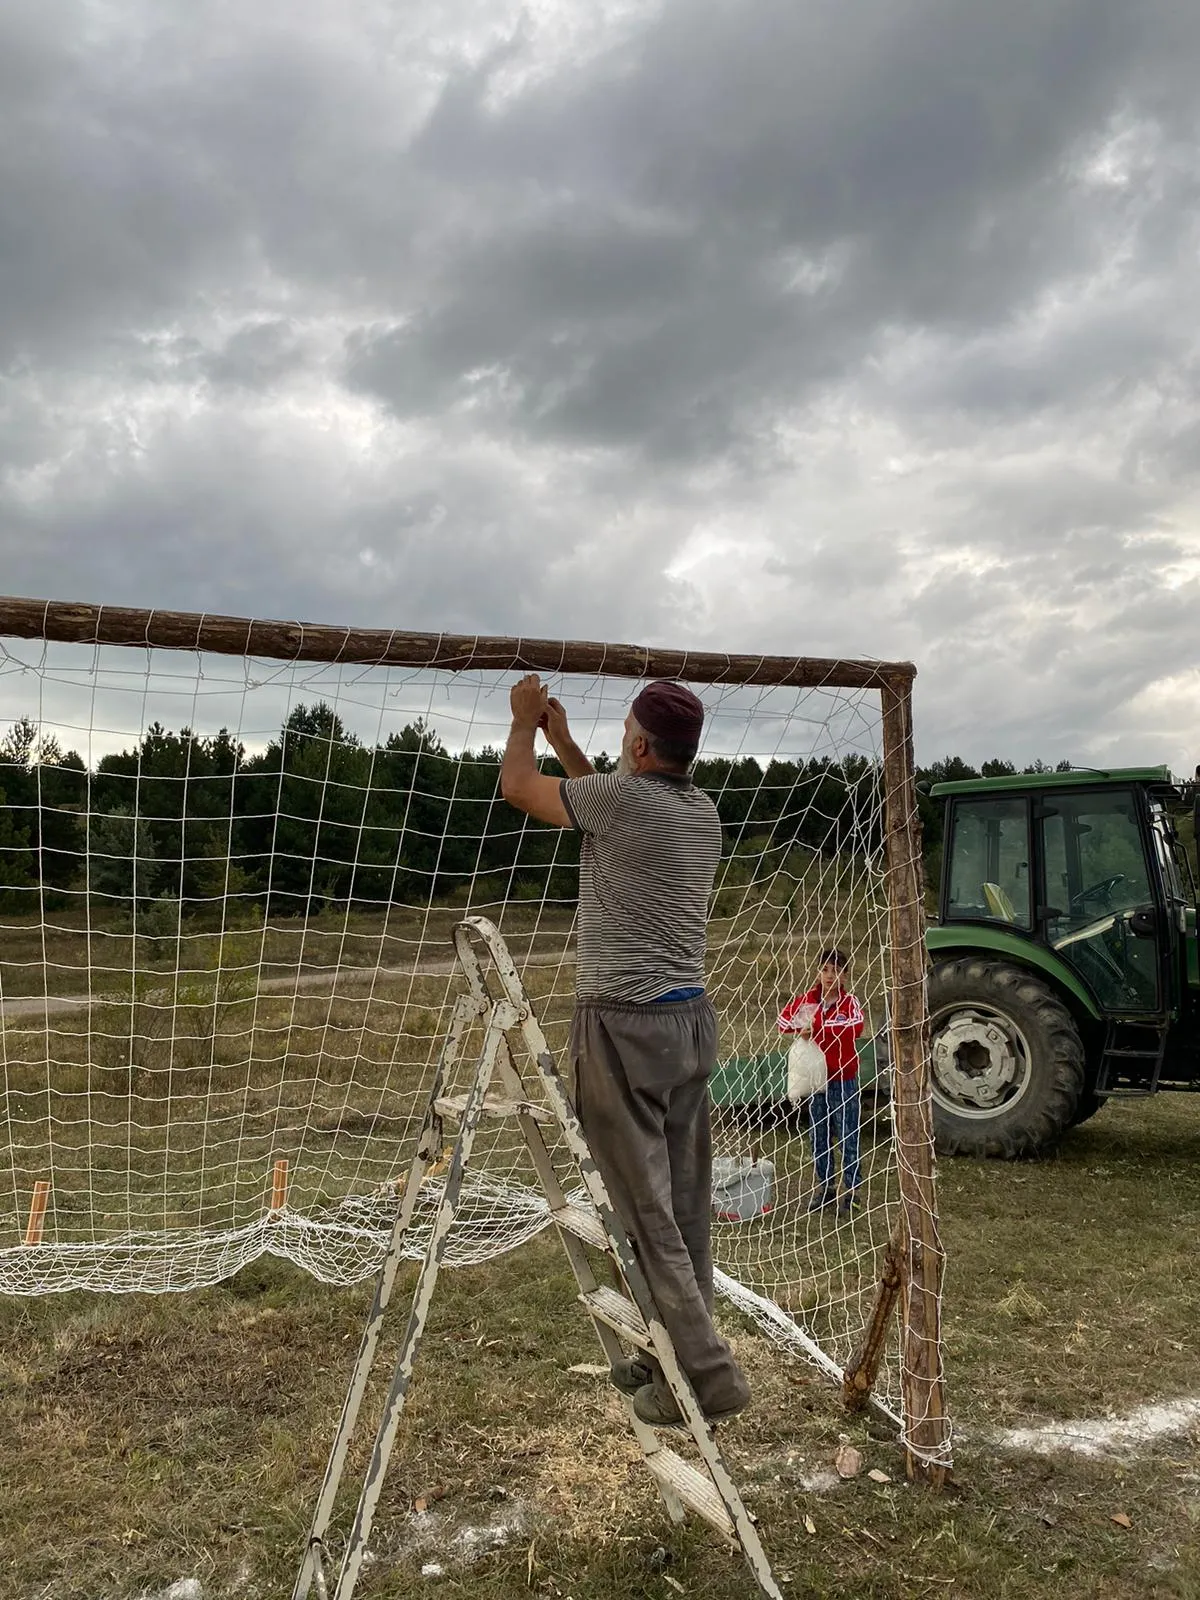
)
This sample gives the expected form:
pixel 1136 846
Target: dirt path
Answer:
pixel 39 1006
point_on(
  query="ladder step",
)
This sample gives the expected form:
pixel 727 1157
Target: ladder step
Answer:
pixel 585 1225
pixel 619 1313
pixel 494 1105
pixel 696 1489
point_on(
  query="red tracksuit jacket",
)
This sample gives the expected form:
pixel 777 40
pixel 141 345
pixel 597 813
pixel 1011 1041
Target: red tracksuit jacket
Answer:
pixel 836 1026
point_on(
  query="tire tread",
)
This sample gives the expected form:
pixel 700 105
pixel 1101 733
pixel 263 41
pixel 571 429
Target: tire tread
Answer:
pixel 1036 1125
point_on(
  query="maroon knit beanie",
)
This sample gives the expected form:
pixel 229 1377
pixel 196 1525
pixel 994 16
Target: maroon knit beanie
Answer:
pixel 669 711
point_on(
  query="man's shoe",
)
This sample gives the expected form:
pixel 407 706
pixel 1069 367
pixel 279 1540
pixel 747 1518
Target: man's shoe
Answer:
pixel 630 1375
pixel 660 1411
pixel 848 1205
pixel 822 1199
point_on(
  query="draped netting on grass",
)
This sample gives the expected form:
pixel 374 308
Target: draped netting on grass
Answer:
pixel 227 889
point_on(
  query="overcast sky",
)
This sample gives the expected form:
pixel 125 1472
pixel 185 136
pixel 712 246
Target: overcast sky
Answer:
pixel 793 325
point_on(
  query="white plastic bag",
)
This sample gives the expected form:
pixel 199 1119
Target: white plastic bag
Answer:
pixel 808 1071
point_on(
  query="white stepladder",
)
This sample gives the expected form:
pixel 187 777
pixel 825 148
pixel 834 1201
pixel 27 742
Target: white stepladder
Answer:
pixel 705 1488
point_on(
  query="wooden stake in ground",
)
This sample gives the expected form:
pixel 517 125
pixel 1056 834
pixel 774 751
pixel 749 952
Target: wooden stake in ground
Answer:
pixel 926 1422
pixel 279 1187
pixel 37 1212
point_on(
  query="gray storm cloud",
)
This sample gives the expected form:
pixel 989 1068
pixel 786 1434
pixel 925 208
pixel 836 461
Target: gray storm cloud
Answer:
pixel 780 326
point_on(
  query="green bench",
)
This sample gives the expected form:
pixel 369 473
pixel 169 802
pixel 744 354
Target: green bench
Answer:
pixel 762 1080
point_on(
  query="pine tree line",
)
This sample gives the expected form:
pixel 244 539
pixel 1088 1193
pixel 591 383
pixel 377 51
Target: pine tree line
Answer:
pixel 319 818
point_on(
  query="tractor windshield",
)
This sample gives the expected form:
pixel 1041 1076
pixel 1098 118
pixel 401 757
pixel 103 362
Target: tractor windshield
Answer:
pixel 1096 875
pixel 989 862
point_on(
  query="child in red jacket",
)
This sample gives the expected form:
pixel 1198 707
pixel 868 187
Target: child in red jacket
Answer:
pixel 829 1014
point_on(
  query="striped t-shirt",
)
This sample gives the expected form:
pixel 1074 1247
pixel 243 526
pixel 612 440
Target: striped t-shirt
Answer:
pixel 646 869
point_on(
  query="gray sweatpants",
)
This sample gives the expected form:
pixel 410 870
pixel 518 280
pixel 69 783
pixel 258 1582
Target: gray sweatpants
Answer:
pixel 641 1094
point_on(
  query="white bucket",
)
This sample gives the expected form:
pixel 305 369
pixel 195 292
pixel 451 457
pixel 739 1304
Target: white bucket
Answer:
pixel 741 1188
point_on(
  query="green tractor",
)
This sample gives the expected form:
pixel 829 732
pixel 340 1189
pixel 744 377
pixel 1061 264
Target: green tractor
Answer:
pixel 1064 955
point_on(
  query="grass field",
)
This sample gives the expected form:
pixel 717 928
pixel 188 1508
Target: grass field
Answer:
pixel 151 1440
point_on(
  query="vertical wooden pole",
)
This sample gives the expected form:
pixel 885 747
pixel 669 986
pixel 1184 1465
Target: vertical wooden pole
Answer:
pixel 926 1423
pixel 279 1186
pixel 37 1212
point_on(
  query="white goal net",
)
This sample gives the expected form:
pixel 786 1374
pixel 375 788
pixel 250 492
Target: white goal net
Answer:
pixel 227 890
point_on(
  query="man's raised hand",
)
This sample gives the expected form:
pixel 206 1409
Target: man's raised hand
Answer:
pixel 528 700
pixel 554 723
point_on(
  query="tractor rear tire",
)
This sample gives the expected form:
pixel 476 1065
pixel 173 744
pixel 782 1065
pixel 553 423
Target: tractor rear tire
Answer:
pixel 1032 1036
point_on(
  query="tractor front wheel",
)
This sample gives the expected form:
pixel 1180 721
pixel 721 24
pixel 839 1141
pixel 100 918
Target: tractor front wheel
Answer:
pixel 1007 1062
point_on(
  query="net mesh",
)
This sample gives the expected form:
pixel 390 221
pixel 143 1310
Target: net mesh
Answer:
pixel 227 890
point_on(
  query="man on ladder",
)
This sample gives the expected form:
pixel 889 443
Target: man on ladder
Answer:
pixel 644 1035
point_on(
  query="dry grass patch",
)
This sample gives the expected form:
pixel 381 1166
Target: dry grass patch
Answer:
pixel 154 1439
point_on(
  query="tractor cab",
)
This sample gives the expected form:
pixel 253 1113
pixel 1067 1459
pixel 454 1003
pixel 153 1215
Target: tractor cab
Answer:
pixel 1064 955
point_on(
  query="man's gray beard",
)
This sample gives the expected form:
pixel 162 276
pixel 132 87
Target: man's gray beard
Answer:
pixel 624 766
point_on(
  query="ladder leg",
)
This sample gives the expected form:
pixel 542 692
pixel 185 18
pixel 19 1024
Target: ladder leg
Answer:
pixel 502 1018
pixel 428 1149
pixel 712 1493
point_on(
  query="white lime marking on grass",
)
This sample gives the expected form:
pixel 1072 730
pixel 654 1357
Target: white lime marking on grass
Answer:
pixel 435 1537
pixel 1103 1436
pixel 470 1543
